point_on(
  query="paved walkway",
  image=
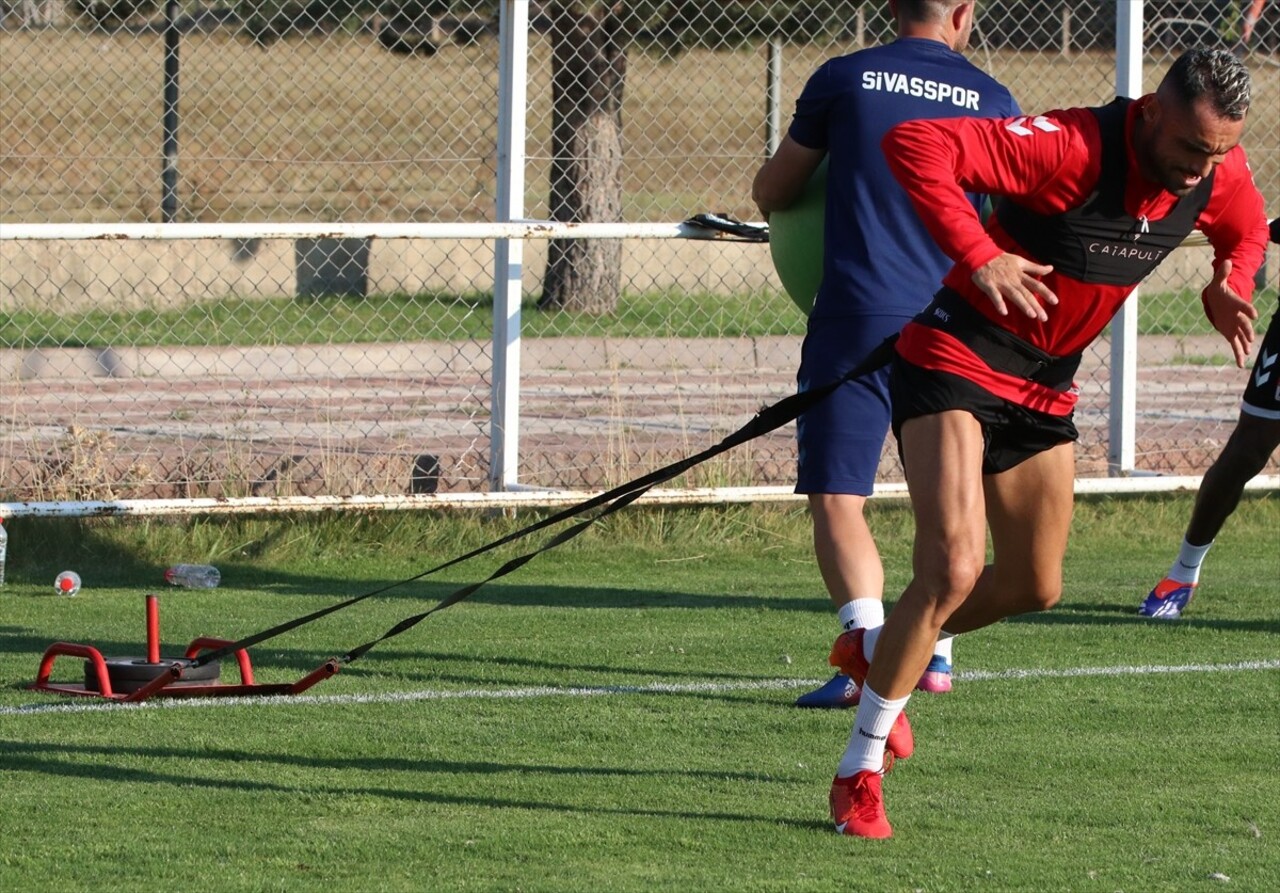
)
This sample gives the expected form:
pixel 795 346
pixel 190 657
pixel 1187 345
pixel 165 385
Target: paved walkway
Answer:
pixel 339 419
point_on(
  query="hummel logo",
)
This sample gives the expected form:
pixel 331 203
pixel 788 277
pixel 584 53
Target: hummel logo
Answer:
pixel 1263 372
pixel 872 737
pixel 1019 126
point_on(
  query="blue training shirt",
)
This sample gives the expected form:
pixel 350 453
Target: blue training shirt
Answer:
pixel 879 258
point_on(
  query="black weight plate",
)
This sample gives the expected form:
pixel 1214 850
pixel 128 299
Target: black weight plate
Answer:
pixel 128 674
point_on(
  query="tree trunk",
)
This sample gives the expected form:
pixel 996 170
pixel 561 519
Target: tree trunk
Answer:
pixel 589 68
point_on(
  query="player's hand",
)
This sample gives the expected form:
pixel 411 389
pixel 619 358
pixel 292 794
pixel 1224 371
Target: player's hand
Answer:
pixel 1230 314
pixel 1010 279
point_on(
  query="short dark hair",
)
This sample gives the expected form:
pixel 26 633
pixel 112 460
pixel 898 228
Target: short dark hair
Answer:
pixel 927 10
pixel 1215 75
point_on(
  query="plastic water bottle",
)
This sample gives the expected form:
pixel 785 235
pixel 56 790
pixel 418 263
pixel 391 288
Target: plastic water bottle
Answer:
pixel 67 583
pixel 193 576
pixel 4 549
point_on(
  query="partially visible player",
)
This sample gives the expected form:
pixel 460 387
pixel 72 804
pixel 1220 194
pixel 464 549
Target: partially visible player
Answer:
pixel 879 268
pixel 1249 17
pixel 1255 438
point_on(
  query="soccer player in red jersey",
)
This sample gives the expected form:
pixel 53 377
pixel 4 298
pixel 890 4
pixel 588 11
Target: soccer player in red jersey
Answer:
pixel 1089 201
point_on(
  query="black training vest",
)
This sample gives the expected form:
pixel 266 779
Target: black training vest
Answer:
pixel 1098 242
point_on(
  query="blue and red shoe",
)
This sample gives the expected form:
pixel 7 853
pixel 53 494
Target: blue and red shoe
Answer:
pixel 1168 600
pixel 838 692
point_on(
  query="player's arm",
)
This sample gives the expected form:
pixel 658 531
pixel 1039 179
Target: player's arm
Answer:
pixel 1249 20
pixel 937 161
pixel 1236 225
pixel 782 178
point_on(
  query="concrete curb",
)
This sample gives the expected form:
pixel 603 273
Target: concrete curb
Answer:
pixel 425 358
pixel 772 354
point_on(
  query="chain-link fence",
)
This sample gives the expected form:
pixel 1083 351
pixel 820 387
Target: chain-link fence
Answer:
pixel 340 366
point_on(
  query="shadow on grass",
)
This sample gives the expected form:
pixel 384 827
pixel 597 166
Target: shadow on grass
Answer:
pixel 40 758
pixel 272 664
pixel 364 763
pixel 41 547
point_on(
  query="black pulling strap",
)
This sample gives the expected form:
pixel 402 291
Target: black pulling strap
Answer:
pixel 767 419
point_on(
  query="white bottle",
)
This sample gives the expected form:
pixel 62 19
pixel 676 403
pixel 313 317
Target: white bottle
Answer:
pixel 193 576
pixel 4 549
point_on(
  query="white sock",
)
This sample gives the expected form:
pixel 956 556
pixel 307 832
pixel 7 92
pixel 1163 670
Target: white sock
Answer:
pixel 942 648
pixel 869 639
pixel 861 613
pixel 1186 569
pixel 871 727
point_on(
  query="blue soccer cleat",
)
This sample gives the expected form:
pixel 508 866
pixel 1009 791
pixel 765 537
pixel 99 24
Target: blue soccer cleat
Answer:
pixel 840 691
pixel 1168 600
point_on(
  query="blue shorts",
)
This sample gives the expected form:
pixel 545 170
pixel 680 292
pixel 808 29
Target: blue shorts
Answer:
pixel 841 438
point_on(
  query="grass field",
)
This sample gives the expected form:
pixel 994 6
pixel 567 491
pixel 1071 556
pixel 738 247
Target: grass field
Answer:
pixel 616 715
pixel 338 129
pixel 439 316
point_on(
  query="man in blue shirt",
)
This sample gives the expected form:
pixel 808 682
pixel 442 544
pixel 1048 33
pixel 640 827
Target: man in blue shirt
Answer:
pixel 880 268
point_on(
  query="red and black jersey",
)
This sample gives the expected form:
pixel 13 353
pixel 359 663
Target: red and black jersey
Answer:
pixel 1071 195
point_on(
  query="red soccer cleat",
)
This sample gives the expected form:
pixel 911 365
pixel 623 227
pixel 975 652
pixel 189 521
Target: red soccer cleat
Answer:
pixel 857 806
pixel 901 741
pixel 847 655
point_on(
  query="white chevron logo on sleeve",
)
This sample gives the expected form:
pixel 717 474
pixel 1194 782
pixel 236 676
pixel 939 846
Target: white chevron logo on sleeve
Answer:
pixel 1263 372
pixel 1018 126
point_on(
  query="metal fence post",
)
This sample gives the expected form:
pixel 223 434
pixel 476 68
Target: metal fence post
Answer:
pixel 773 98
pixel 169 171
pixel 508 261
pixel 1124 326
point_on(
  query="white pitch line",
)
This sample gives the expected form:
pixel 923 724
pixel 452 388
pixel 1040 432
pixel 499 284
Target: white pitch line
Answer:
pixel 656 688
pixel 1073 672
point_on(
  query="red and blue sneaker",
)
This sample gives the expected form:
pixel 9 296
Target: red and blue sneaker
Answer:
pixel 1168 600
pixel 857 806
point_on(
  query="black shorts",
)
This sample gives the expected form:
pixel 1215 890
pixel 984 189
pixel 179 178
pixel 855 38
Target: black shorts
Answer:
pixel 1262 395
pixel 1011 434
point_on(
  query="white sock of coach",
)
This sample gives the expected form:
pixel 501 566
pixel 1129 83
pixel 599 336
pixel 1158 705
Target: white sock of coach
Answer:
pixel 861 613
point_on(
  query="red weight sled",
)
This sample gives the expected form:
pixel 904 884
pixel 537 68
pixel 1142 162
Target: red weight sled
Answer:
pixel 137 679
